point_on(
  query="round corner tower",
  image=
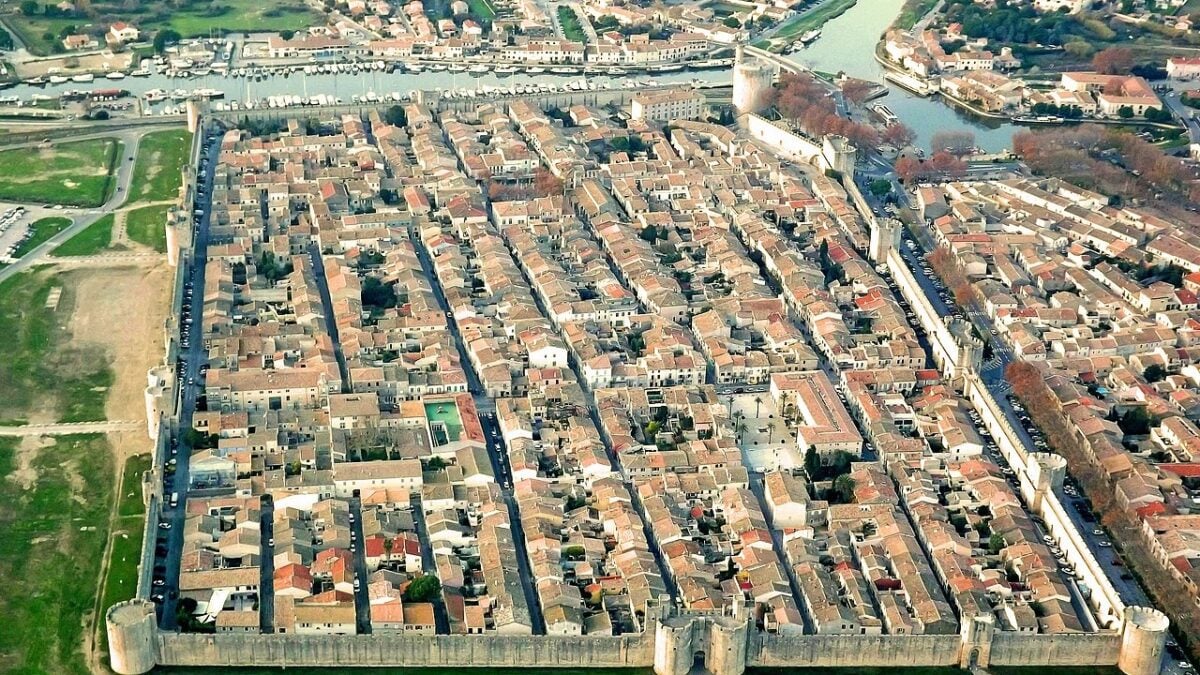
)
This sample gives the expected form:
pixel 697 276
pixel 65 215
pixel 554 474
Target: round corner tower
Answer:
pixel 752 82
pixel 131 638
pixel 1143 641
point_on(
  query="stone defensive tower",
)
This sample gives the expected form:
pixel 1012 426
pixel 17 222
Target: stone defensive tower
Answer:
pixel 752 82
pixel 885 237
pixel 194 107
pixel 1143 641
pixel 131 637
pixel 1046 473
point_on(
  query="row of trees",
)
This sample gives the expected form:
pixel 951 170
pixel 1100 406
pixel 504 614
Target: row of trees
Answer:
pixel 941 164
pixel 946 267
pixel 805 102
pixel 1169 594
pixel 1111 160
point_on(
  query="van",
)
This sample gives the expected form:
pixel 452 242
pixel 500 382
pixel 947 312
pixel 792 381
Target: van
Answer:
pixel 174 499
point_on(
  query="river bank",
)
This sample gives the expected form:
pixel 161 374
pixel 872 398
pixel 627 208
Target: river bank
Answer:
pixel 863 25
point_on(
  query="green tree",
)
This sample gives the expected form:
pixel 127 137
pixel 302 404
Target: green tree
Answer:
pixel 375 293
pixel 732 22
pixel 880 187
pixel 996 542
pixel 1137 421
pixel 287 34
pixel 165 38
pixel 1125 112
pixel 29 7
pixel 395 116
pixel 1154 373
pixel 423 589
pixel 843 489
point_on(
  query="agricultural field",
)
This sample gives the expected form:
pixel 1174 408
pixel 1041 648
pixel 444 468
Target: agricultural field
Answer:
pixel 78 173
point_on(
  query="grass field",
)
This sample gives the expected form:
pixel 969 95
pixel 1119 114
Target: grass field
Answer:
pixel 482 9
pixel 912 11
pixel 34 352
pixel 160 157
pixel 54 507
pixel 198 19
pixel 93 239
pixel 120 582
pixel 815 18
pixel 148 226
pixel 569 20
pixel 78 173
pixel 241 16
pixel 32 30
pixel 42 230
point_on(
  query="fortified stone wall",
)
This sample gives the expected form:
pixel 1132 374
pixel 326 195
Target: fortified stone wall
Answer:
pixel 853 651
pixel 1105 599
pixel 1078 649
pixel 783 141
pixel 231 649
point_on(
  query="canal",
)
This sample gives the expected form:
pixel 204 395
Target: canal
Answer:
pixel 847 44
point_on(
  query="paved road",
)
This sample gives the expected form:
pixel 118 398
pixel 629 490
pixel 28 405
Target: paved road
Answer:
pixel 362 599
pixel 318 266
pixel 80 219
pixel 992 375
pixel 68 428
pixel 485 406
pixel 167 566
pixel 266 579
pixel 1181 111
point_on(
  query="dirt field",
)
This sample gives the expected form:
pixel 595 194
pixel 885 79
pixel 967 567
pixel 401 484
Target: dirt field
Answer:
pixel 122 310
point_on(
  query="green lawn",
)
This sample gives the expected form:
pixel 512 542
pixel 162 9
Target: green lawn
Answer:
pixel 32 30
pixel 121 581
pixel 33 354
pixel 41 230
pixel 814 18
pixel 77 173
pixel 93 239
pixel 912 11
pixel 239 16
pixel 161 156
pixel 569 20
pixel 82 396
pixel 49 554
pixel 482 9
pixel 148 225
pixel 131 485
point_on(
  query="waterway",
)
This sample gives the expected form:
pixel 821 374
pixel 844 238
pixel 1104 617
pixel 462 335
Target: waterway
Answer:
pixel 847 44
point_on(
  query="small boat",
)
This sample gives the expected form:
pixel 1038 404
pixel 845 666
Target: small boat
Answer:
pixel 479 69
pixel 534 70
pixel 810 36
pixel 505 70
pixel 115 75
pixel 84 77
